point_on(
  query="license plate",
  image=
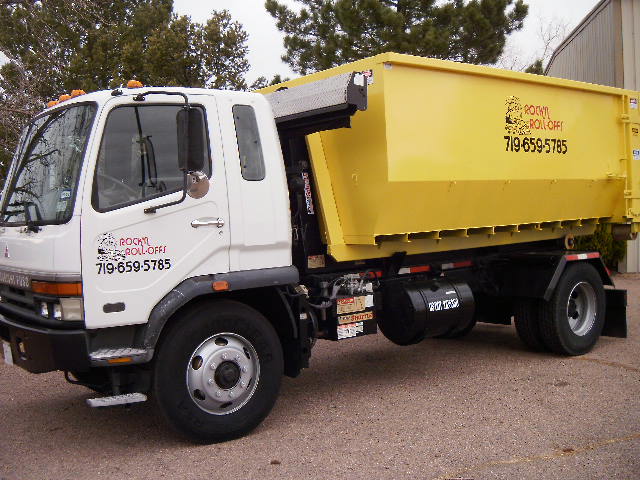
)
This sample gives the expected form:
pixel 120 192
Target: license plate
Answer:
pixel 8 356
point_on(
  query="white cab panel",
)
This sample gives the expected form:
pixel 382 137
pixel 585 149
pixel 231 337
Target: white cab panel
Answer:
pixel 54 251
pixel 127 235
pixel 259 210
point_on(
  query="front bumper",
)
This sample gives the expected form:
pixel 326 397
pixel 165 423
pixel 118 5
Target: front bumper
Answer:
pixel 39 349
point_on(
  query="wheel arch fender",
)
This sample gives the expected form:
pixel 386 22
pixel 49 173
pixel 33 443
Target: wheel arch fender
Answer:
pixel 261 289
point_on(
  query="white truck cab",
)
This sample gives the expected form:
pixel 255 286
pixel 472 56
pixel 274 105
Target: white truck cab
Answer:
pixel 95 178
pixel 125 209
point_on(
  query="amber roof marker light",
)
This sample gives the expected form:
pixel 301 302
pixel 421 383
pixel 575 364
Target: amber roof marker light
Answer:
pixel 134 84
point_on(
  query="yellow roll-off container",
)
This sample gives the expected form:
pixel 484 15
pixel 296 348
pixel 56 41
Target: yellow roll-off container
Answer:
pixel 450 156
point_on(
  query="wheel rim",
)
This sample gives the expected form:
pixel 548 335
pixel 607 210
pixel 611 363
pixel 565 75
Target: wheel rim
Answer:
pixel 223 373
pixel 581 308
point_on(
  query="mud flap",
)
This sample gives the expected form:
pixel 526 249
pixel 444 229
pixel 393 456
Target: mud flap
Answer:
pixel 615 318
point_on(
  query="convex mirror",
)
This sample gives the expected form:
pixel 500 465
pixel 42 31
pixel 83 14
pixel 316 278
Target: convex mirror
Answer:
pixel 197 184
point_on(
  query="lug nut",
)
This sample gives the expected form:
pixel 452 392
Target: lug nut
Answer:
pixel 212 366
pixel 224 356
pixel 231 395
pixel 218 394
pixel 237 358
pixel 245 369
pixel 210 381
pixel 242 384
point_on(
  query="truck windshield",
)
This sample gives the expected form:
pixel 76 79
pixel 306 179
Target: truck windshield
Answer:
pixel 44 182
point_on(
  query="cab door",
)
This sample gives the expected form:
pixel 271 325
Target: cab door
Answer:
pixel 131 259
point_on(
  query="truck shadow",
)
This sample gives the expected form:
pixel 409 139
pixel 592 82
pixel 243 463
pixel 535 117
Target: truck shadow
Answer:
pixel 378 361
pixel 337 369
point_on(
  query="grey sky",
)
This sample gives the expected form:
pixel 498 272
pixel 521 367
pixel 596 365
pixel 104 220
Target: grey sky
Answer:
pixel 265 41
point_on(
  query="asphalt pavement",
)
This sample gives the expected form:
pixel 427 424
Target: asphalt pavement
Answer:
pixel 482 407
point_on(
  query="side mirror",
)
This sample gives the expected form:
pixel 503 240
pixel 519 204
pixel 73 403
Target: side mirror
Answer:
pixel 190 126
pixel 197 184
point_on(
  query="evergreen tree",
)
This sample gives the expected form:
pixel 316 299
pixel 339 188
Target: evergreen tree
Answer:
pixel 53 47
pixel 262 82
pixel 326 33
pixel 535 67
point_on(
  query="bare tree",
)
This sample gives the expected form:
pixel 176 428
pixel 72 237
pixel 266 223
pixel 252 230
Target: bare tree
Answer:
pixel 550 32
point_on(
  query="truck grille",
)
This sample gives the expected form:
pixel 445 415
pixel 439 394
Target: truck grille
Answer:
pixel 21 304
pixel 18 297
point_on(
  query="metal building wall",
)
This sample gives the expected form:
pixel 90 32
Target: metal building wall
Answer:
pixel 631 43
pixel 631 56
pixel 593 51
pixel 605 49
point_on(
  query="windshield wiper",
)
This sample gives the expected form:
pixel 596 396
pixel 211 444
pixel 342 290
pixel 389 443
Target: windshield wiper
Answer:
pixel 29 222
pixel 31 226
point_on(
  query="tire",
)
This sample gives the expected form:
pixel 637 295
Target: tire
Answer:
pixel 527 320
pixel 571 322
pixel 229 399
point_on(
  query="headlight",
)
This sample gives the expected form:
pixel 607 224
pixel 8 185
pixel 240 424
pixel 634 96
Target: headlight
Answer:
pixel 44 309
pixel 72 308
pixel 57 311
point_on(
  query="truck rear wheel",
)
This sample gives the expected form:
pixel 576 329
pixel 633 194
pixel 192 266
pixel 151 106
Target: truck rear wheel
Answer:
pixel 218 371
pixel 571 322
pixel 527 318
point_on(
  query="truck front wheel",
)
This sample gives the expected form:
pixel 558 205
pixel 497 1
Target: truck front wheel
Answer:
pixel 218 371
pixel 571 322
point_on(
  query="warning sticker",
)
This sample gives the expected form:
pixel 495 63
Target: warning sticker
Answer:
pixel 307 193
pixel 351 304
pixel 636 154
pixel 315 261
pixel 355 317
pixel 633 103
pixel 350 330
pixel 368 74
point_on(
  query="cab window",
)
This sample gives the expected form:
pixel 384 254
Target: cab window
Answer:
pixel 138 157
pixel 249 147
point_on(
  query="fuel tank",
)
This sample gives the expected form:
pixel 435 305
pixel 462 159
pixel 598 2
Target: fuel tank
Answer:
pixel 416 310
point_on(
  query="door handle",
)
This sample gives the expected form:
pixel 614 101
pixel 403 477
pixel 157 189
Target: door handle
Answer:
pixel 208 222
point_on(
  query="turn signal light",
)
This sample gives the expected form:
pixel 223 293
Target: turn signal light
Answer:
pixel 120 360
pixel 134 84
pixel 52 103
pixel 60 289
pixel 77 93
pixel 220 285
pixel 64 98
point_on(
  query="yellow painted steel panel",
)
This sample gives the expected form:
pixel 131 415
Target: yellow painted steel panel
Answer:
pixel 451 156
